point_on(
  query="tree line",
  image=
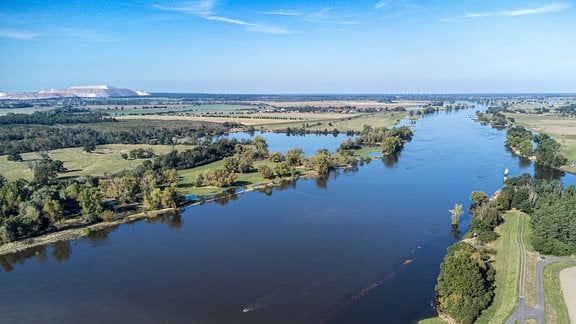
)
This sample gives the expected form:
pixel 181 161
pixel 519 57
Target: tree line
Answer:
pixel 46 204
pixel 464 286
pixel 546 153
pixel 22 139
pixel 60 116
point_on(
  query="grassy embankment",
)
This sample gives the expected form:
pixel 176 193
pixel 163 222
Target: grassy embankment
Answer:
pixel 563 129
pixel 506 263
pixel 507 260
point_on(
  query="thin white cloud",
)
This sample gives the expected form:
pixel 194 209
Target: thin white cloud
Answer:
pixel 269 30
pixel 548 8
pixel 205 9
pixel 18 34
pixel 325 17
pixel 198 8
pixel 283 13
pixel 381 4
pixel 552 7
pixel 230 21
pixel 447 20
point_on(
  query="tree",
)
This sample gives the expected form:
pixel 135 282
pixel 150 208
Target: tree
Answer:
pixel 148 181
pixel 261 147
pixel 322 162
pixel 245 163
pixel 170 197
pixel 295 156
pixel 464 285
pixel 478 197
pixel 89 199
pixel 14 157
pixel 284 169
pixel 219 177
pixel 44 173
pixel 153 200
pixel 231 164
pixel 265 171
pixel 276 157
pixel 53 210
pixel 89 147
pixel 171 176
pixel 392 145
pixel 455 214
pixel 548 154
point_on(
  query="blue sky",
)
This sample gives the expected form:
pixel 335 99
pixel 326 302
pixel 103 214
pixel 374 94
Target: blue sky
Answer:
pixel 218 46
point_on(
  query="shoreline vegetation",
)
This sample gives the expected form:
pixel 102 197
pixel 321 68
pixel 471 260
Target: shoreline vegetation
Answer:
pixel 54 204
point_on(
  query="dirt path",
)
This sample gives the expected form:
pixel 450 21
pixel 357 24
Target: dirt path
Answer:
pixel 568 284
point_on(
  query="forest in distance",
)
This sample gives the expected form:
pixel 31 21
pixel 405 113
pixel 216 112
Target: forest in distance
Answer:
pixel 167 151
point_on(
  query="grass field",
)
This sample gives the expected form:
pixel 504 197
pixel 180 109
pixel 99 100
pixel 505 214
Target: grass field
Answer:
pixel 106 159
pixel 563 129
pixel 556 311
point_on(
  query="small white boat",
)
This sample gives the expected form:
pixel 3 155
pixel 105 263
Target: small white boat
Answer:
pixel 506 172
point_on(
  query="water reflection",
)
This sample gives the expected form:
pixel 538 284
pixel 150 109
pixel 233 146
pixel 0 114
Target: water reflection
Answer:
pixel 173 220
pixel 524 162
pixel 390 160
pixel 322 181
pixel 61 250
pixel 9 260
pixel 545 173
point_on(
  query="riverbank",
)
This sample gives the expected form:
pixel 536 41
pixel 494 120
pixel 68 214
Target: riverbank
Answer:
pixel 81 230
pixel 74 233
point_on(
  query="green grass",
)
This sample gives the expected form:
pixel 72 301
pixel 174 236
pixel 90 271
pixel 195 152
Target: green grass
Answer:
pixel 247 180
pixel 507 266
pixel 106 159
pixel 556 311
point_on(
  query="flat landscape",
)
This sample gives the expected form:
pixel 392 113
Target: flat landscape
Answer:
pixel 105 160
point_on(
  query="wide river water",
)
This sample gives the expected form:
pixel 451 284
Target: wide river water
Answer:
pixel 362 246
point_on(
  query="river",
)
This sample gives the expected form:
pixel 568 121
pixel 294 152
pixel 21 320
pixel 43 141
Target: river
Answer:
pixel 362 246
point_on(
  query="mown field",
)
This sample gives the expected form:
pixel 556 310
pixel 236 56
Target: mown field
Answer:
pixel 106 159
